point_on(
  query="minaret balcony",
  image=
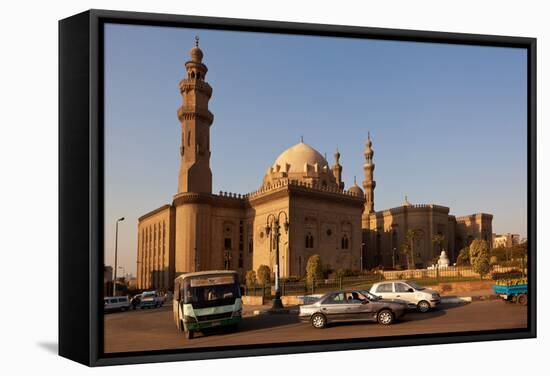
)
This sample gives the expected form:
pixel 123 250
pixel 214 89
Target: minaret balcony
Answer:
pixel 193 113
pixel 188 85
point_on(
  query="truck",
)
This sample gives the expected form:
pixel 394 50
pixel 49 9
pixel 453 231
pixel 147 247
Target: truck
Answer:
pixel 514 291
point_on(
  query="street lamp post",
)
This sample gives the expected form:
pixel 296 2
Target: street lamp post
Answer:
pixel 273 225
pixel 393 257
pixel 362 256
pixel 116 251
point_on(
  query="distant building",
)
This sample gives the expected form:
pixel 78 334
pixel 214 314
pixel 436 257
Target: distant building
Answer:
pixel 201 230
pixel 131 282
pixel 505 240
pixel 107 273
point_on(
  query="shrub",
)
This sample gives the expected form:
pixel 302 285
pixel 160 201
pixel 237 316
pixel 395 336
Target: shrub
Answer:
pixel 463 258
pixel 314 269
pixel 511 274
pixel 263 275
pixel 250 278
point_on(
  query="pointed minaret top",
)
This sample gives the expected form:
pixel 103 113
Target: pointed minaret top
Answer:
pixel 196 53
pixel 337 156
pixel 368 150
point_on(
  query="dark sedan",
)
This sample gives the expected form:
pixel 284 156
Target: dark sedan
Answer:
pixel 351 305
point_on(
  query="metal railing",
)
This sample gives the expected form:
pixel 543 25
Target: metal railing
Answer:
pixel 364 282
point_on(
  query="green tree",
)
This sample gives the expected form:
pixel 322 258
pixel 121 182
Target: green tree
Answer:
pixel 480 257
pixel 314 269
pixel 463 258
pixel 408 248
pixel 263 275
pixel 250 278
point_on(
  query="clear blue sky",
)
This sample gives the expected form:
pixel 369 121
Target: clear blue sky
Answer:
pixel 448 122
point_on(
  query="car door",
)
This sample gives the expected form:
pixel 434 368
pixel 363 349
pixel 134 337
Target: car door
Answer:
pixel 404 292
pixel 335 307
pixel 384 290
pixel 360 308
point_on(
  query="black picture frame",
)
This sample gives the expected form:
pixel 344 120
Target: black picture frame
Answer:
pixel 81 182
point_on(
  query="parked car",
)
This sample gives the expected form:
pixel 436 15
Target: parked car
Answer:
pixel 415 295
pixel 116 303
pixel 351 305
pixel 151 299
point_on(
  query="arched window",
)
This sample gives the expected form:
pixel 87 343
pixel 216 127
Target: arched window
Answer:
pixel 309 240
pixel 345 242
pixel 192 74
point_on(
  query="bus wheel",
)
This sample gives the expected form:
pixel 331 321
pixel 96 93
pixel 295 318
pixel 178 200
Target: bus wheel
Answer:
pixel 189 334
pixel 522 299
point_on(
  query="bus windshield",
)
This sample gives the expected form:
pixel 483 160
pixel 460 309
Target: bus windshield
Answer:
pixel 211 291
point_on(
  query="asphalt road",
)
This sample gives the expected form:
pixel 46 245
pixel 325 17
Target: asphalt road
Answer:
pixel 153 329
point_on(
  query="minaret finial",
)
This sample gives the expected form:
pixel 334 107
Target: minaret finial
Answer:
pixel 196 40
pixel 354 179
pixel 302 139
pixel 368 133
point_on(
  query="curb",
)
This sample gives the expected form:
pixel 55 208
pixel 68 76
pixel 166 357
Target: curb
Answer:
pixel 467 299
pixel 283 311
pixel 455 299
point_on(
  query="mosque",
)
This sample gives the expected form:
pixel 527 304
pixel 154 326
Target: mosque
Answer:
pixel 202 230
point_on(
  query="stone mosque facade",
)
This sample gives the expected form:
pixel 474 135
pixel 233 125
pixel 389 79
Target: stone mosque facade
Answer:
pixel 202 230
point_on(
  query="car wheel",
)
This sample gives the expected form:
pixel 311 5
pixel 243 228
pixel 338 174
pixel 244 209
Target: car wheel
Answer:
pixel 318 321
pixel 189 334
pixel 423 306
pixel 522 299
pixel 385 317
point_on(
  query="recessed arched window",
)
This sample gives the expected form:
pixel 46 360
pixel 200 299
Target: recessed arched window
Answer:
pixel 309 240
pixel 345 242
pixel 192 74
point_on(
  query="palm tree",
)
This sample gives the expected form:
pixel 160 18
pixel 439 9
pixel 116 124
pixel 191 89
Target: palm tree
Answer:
pixel 437 240
pixel 411 239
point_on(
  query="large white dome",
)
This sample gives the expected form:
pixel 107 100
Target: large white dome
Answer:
pixel 298 156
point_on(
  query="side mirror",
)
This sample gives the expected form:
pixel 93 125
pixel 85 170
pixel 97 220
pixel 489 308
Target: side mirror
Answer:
pixel 410 290
pixel 364 301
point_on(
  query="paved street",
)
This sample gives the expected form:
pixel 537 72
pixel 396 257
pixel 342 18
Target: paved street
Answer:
pixel 154 329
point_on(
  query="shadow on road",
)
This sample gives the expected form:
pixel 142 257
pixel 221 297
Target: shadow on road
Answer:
pixel 254 323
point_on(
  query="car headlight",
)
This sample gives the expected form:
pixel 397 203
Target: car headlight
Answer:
pixel 435 296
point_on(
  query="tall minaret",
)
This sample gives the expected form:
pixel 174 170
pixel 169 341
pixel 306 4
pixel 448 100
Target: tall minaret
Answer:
pixel 195 174
pixel 369 184
pixel 337 170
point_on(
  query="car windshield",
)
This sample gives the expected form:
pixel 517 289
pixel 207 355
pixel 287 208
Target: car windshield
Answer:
pixel 415 285
pixel 217 292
